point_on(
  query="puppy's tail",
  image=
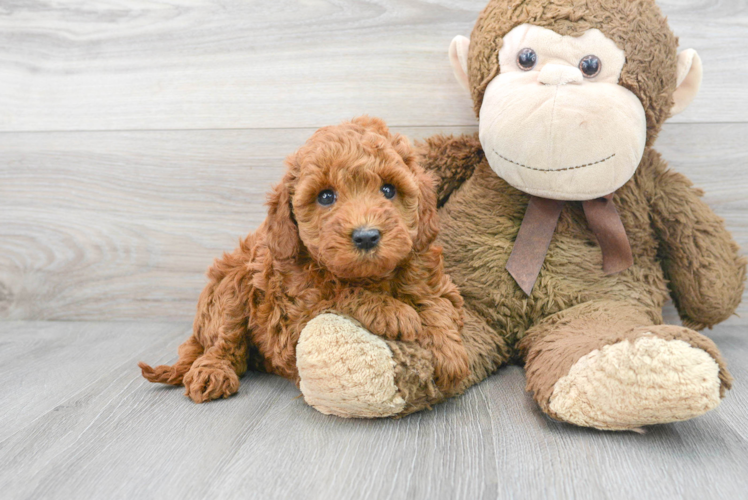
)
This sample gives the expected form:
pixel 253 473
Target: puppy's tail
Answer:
pixel 173 375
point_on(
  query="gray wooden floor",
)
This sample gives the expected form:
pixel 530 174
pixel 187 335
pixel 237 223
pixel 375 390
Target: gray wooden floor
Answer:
pixel 77 421
pixel 137 140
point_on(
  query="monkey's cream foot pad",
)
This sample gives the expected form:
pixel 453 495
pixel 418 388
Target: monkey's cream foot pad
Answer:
pixel 628 385
pixel 345 370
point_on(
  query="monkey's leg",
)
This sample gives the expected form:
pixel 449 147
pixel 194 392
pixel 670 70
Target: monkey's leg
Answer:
pixel 345 370
pixel 603 365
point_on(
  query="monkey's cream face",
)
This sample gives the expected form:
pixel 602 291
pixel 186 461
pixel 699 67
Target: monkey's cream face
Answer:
pixel 555 123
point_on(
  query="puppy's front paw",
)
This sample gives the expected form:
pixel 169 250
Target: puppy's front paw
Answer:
pixel 396 321
pixel 451 368
pixel 408 323
pixel 210 379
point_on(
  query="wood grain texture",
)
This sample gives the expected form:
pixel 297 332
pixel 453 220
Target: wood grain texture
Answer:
pixel 137 141
pixel 110 434
pixel 123 225
pixel 210 64
pixel 43 365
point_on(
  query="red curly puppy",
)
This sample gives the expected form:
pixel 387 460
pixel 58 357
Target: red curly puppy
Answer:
pixel 350 229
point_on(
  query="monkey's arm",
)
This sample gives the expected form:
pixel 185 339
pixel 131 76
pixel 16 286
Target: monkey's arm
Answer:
pixel 450 159
pixel 699 256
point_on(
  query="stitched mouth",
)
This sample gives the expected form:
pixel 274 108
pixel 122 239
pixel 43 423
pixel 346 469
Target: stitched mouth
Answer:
pixel 554 169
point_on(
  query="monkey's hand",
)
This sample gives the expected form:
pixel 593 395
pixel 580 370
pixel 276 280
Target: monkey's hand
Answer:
pixel 450 159
pixel 699 256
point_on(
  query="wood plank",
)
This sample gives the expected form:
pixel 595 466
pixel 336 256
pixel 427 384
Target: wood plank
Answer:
pixel 120 437
pixel 104 226
pixel 81 208
pixel 43 365
pixel 219 64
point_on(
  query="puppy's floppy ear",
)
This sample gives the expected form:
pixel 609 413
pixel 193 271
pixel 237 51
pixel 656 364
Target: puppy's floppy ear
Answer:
pixel 282 232
pixel 402 146
pixel 373 124
pixel 428 219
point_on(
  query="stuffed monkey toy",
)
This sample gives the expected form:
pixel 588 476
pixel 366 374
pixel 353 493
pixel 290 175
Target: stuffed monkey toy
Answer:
pixel 564 229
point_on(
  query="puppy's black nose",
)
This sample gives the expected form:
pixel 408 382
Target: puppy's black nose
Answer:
pixel 365 238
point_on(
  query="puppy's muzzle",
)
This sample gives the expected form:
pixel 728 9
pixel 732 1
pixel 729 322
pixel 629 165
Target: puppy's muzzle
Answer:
pixel 366 238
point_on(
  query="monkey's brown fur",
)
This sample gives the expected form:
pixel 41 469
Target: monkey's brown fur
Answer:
pixel 680 246
pixel 301 262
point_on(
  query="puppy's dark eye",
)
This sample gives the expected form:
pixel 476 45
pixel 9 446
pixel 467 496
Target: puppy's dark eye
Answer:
pixel 590 66
pixel 526 59
pixel 388 190
pixel 326 197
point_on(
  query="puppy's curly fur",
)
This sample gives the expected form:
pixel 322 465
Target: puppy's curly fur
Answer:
pixel 302 261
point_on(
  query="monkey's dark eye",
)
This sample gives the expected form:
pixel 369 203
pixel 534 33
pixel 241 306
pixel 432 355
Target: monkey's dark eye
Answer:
pixel 526 59
pixel 388 190
pixel 590 66
pixel 326 197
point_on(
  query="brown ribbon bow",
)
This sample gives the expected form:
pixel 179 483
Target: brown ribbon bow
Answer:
pixel 537 230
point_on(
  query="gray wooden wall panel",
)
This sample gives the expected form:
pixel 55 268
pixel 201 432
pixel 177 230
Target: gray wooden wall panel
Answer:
pixel 123 225
pixel 186 64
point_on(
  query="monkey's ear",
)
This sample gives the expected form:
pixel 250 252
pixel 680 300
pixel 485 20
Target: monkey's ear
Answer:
pixel 458 56
pixel 689 80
